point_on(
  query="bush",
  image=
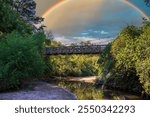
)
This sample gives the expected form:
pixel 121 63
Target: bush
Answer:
pixel 19 58
pixel 125 62
pixel 143 70
pixel 74 65
pixel 10 20
pixel 143 53
pixel 123 51
pixel 107 62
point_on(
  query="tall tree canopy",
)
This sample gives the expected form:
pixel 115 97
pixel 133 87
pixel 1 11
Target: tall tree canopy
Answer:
pixel 147 2
pixel 27 10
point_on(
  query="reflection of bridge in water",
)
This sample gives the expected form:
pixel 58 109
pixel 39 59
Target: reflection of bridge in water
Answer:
pixel 67 50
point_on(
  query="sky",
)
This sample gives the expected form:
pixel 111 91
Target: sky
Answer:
pixel 88 19
pixel 44 5
pixel 141 5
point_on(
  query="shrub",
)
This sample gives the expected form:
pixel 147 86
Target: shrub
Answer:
pixel 10 20
pixel 143 53
pixel 143 70
pixel 125 62
pixel 123 51
pixel 19 58
pixel 74 65
pixel 106 62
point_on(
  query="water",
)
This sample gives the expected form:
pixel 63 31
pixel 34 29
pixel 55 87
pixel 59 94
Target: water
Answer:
pixel 88 91
pixel 91 20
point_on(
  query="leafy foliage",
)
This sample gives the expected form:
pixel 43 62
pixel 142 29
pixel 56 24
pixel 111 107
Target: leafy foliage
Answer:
pixel 10 20
pixel 147 2
pixel 19 58
pixel 106 62
pixel 20 48
pixel 143 54
pixel 27 11
pixel 129 55
pixel 73 65
pixel 143 70
pixel 123 51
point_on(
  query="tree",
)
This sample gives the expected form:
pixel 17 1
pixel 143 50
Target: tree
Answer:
pixel 13 11
pixel 147 2
pixel 20 48
pixel 27 10
pixel 20 58
pixel 143 54
pixel 129 55
pixel 49 37
pixel 10 20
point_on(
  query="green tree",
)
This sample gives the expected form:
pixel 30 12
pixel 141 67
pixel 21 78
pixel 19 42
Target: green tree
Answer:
pixel 143 54
pixel 27 11
pixel 19 59
pixel 10 19
pixel 125 62
pixel 73 65
pixel 123 51
pixel 20 48
pixel 147 2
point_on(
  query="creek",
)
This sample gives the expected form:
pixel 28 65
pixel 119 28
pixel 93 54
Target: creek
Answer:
pixel 88 91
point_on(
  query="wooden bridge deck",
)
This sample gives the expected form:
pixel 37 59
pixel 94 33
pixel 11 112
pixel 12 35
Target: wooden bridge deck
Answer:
pixel 67 50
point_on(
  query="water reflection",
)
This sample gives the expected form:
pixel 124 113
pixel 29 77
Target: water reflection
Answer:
pixel 88 91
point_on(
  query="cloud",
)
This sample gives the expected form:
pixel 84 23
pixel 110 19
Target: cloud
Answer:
pixel 65 40
pixel 80 15
pixel 104 33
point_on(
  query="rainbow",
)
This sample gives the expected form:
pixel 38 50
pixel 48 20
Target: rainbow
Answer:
pixel 62 2
pixel 136 8
pixel 54 7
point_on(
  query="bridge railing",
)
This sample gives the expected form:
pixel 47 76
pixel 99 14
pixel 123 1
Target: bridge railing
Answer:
pixel 65 50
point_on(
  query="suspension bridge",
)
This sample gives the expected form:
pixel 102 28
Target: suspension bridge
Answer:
pixel 68 50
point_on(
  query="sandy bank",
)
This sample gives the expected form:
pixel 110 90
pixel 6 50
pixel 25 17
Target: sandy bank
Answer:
pixel 39 91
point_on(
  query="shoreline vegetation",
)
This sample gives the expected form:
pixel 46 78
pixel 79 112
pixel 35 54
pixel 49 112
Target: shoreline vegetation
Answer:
pixel 126 61
pixel 124 64
pixel 85 88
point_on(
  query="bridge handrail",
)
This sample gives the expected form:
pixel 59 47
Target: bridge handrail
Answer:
pixel 77 46
pixel 79 49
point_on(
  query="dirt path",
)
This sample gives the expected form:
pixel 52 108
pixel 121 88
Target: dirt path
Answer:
pixel 39 91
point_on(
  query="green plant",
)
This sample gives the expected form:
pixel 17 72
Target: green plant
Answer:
pixel 143 54
pixel 19 58
pixel 125 62
pixel 10 20
pixel 143 70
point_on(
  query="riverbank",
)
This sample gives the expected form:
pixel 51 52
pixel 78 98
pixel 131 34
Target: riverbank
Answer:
pixel 38 90
pixel 69 88
pixel 85 89
pixel 88 79
pixel 126 85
